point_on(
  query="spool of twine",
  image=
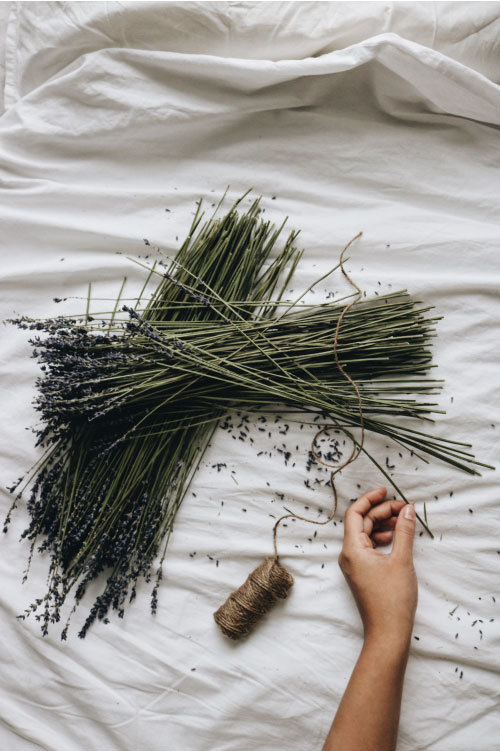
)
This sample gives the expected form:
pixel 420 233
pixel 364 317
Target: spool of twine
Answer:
pixel 268 583
pixel 271 581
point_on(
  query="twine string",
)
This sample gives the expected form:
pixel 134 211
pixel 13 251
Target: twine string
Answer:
pixel 270 581
pixel 356 449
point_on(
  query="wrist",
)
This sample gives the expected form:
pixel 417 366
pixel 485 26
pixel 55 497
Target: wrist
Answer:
pixel 390 643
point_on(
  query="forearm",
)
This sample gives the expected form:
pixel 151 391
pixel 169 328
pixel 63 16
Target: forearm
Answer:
pixel 368 716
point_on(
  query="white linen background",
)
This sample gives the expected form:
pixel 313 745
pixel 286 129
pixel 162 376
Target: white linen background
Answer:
pixel 381 117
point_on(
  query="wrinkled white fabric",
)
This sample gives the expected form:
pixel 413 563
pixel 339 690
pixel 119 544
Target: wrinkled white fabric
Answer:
pixel 381 117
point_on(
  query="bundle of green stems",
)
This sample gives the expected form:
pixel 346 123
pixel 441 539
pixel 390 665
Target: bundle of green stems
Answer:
pixel 130 399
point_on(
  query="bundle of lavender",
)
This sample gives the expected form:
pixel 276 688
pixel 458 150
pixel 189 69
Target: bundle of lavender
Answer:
pixel 129 401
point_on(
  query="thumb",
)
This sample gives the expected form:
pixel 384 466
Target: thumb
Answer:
pixel 404 532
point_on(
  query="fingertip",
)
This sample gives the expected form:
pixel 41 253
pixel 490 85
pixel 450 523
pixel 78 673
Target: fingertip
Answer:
pixel 405 531
pixel 409 512
pixel 376 493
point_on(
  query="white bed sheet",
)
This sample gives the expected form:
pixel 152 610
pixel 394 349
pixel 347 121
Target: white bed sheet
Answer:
pixel 381 117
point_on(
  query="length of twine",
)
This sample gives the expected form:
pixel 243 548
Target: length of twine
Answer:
pixel 271 581
pixel 356 448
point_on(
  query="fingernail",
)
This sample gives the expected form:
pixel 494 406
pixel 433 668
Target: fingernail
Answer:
pixel 410 511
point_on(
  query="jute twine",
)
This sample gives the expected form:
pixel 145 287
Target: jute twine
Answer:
pixel 270 581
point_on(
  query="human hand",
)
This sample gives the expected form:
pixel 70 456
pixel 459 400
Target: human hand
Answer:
pixel 384 585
